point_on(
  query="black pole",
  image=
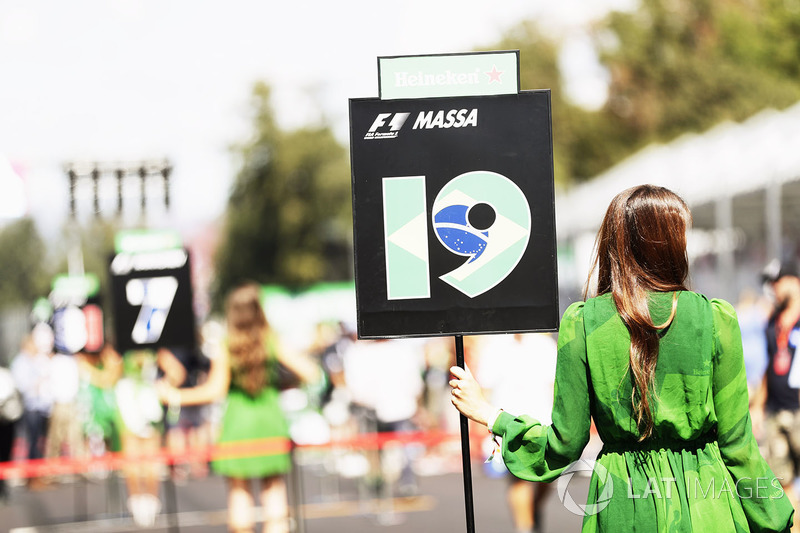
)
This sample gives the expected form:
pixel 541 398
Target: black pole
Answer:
pixel 165 172
pixel 80 491
pixel 465 455
pixel 95 190
pixel 143 186
pixel 171 501
pixel 296 480
pixel 120 176
pixel 73 181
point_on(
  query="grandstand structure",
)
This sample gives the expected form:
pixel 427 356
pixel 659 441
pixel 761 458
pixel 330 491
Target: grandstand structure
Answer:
pixel 742 183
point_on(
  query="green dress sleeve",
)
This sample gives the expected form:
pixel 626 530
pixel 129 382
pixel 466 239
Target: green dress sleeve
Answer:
pixel 538 452
pixel 766 506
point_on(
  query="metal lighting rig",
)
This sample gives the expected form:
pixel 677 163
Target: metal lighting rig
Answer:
pixel 145 171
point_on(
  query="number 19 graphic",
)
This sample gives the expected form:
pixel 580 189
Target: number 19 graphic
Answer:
pixel 480 215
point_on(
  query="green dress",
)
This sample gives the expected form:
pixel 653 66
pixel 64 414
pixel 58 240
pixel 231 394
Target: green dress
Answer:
pixel 700 471
pixel 254 438
pixel 101 415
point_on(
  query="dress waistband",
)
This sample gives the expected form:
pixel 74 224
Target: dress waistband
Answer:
pixel 660 443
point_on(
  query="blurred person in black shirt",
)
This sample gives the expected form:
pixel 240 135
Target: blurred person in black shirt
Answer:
pixel 187 426
pixel 776 406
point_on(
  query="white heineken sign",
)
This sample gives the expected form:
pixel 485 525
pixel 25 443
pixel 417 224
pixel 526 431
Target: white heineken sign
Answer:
pixel 474 74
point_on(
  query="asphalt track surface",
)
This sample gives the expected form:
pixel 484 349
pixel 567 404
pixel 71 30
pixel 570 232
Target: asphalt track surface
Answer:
pixel 321 503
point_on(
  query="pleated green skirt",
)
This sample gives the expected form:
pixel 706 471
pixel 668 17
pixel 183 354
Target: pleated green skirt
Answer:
pixel 254 437
pixel 671 489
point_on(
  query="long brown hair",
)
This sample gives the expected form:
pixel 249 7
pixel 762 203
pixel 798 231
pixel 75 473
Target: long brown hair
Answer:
pixel 640 248
pixel 247 331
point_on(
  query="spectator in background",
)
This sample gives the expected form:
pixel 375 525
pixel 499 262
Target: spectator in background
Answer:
pixel 394 403
pixel 335 400
pixel 776 407
pixel 66 425
pixel 31 371
pixel 753 312
pixel 528 389
pixel 326 348
pixel 436 415
pixel 99 373
pixel 142 417
pixel 186 426
pixel 11 410
pixel 247 372
pixel 440 355
pixel 360 371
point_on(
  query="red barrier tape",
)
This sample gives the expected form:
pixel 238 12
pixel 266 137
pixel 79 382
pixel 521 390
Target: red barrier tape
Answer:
pixel 230 450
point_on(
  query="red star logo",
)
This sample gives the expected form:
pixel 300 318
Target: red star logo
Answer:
pixel 494 75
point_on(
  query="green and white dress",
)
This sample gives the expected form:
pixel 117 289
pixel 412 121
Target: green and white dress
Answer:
pixel 254 438
pixel 701 470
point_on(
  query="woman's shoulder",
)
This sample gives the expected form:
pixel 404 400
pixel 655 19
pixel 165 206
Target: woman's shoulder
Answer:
pixel 687 299
pixel 600 307
pixel 574 311
pixel 718 305
pixel 720 312
pixel 597 300
pixel 723 310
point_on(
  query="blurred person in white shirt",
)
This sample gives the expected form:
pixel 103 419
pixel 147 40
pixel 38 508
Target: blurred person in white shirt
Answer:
pixel 66 426
pixel 384 378
pixel 526 389
pixel 31 371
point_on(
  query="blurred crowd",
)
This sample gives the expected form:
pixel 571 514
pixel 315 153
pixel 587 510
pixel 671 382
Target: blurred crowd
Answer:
pixel 55 405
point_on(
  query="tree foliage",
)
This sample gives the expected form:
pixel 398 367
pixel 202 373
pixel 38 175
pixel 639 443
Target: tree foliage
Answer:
pixel 22 262
pixel 579 147
pixel 288 220
pixel 676 66
pixel 687 65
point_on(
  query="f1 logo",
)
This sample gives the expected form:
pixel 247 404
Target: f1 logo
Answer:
pixel 398 119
